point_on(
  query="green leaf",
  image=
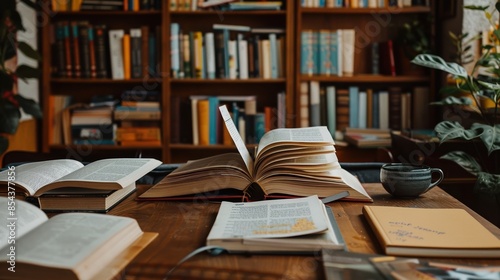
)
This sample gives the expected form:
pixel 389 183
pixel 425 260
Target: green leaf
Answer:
pixel 453 100
pixel 475 7
pixel 24 72
pixel 29 106
pixel 436 62
pixel 466 161
pixel 28 51
pixel 488 183
pixel 490 135
pixel 448 130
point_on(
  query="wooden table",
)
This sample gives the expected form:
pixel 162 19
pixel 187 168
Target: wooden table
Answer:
pixel 183 227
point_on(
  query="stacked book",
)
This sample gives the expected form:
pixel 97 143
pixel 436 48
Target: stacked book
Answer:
pixel 139 116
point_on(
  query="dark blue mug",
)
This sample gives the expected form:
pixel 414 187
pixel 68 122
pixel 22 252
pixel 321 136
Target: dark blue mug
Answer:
pixel 408 180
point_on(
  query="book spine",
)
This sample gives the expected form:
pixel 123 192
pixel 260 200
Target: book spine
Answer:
pixel 83 34
pixel 136 52
pixel 144 50
pixel 395 108
pixel 331 110
pixel 213 115
pixel 314 104
pixel 126 56
pixel 77 71
pixel 92 54
pixel 60 50
pixel 204 121
pixel 174 49
pixel 116 53
pixel 210 55
pixel 102 60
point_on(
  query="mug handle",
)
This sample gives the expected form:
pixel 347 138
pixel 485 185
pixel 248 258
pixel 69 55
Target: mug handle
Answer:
pixel 441 177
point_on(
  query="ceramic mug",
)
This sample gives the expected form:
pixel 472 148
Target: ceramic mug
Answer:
pixel 403 179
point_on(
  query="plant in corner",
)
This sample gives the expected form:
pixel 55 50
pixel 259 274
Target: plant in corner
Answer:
pixel 480 97
pixel 11 101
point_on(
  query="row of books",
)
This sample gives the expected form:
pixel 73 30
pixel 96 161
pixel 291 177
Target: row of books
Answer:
pixel 363 3
pixel 230 51
pixel 223 5
pixel 104 5
pixel 84 50
pixel 201 114
pixel 135 120
pixel 327 52
pixel 393 108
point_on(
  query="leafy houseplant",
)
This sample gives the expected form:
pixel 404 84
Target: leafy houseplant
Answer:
pixel 11 101
pixel 482 96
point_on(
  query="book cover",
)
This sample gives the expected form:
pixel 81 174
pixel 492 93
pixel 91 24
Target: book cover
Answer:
pixel 331 107
pixel 353 106
pixel 431 232
pixel 127 54
pixel 314 104
pixel 174 49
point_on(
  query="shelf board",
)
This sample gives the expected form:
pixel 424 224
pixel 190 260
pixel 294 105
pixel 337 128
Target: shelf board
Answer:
pixel 230 13
pixel 103 81
pixel 389 10
pixel 205 147
pixel 106 13
pixel 367 78
pixel 228 81
pixel 103 147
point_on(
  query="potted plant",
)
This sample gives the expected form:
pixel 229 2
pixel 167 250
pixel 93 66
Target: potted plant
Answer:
pixel 477 105
pixel 11 101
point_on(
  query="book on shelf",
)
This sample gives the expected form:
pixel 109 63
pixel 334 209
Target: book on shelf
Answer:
pixel 368 137
pixel 299 225
pixel 287 162
pixel 67 246
pixel 37 178
pixel 431 232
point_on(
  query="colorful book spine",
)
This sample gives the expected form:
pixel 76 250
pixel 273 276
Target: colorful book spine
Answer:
pixel 174 49
pixel 353 106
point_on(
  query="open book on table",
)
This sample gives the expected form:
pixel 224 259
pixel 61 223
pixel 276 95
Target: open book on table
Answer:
pixel 299 225
pixel 67 184
pixel 291 162
pixel 67 246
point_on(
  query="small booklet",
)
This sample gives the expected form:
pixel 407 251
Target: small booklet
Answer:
pixel 67 246
pixel 431 232
pixel 294 162
pixel 299 225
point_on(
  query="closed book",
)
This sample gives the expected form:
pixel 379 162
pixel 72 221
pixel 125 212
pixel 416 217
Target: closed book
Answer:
pixel 127 64
pixel 203 121
pixel 314 104
pixel 92 54
pixel 67 49
pixel 325 52
pixel 174 49
pixel 304 104
pixel 75 47
pixel 213 116
pixel 383 112
pixel 362 111
pixel 250 115
pixel 136 52
pixel 353 106
pixel 348 51
pixel 342 109
pixel 83 35
pixel 101 51
pixel 210 55
pixel 331 108
pixel 84 200
pixel 59 50
pixel 145 50
pixel 395 108
pixel 431 232
pixel 116 53
pixel 387 63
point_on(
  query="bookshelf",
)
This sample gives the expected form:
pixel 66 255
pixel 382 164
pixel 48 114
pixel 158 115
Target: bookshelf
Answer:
pixel 291 19
pixel 317 25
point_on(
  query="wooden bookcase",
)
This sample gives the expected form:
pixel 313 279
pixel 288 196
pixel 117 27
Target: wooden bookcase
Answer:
pixel 292 19
pixel 370 25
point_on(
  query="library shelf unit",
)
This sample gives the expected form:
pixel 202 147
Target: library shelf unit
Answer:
pixel 370 25
pixel 82 89
pixel 266 90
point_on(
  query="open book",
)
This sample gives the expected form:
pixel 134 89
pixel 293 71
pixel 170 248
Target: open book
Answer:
pixel 287 162
pixel 66 184
pixel 274 226
pixel 67 246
